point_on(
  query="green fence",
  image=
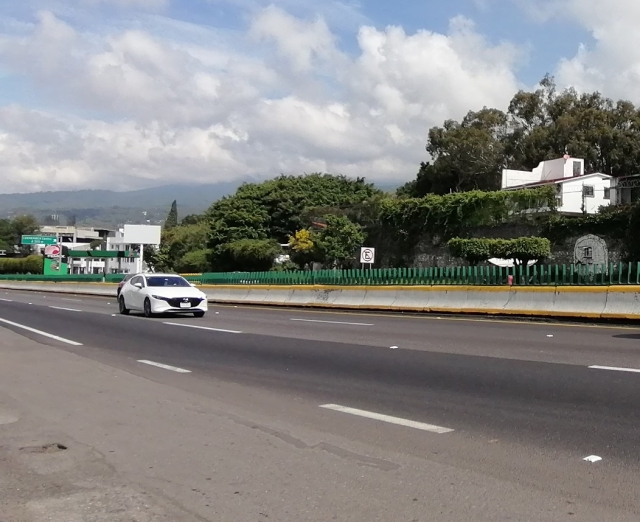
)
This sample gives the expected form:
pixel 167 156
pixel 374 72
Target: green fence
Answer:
pixel 553 275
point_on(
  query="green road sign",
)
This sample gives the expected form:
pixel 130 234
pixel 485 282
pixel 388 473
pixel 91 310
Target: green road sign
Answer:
pixel 39 240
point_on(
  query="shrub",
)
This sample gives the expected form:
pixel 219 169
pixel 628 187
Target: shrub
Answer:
pixel 522 250
pixel 22 265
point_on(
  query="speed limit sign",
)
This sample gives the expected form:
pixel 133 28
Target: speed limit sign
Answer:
pixel 367 255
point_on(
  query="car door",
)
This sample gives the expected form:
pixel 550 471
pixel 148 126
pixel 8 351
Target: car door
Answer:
pixel 135 295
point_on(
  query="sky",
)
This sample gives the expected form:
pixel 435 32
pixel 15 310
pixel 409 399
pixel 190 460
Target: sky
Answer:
pixel 128 94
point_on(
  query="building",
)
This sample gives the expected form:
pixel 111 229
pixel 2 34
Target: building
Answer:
pixel 576 192
pixel 625 190
pixel 117 241
pixel 80 238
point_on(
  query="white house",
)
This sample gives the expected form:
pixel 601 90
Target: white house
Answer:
pixel 577 192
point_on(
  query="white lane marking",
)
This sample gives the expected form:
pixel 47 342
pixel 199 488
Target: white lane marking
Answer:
pixel 393 347
pixel 165 366
pixel 67 309
pixel 6 300
pixel 204 328
pixel 331 322
pixel 387 418
pixel 614 369
pixel 40 332
pixel 592 458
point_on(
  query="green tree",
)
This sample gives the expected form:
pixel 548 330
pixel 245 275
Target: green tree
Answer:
pixel 467 155
pixel 23 226
pixel 172 217
pixel 540 125
pixel 247 255
pixel 339 242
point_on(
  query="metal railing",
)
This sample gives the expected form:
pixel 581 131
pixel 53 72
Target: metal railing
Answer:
pixel 537 275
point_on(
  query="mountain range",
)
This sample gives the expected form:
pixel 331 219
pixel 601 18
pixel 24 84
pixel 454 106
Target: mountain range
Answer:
pixel 108 208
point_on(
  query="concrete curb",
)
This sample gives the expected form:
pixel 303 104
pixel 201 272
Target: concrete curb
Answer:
pixel 602 302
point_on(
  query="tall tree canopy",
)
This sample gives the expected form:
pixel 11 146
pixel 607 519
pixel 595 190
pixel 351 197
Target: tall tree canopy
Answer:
pixel 172 216
pixel 278 208
pixel 538 126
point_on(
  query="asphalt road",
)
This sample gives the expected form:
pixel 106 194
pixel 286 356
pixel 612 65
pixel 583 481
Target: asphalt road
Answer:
pixel 517 401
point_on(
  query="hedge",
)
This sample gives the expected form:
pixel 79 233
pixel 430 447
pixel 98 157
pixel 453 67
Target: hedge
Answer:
pixel 522 250
pixel 22 265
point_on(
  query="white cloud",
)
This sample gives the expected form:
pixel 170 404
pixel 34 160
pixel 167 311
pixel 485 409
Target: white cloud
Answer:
pixel 282 97
pixel 609 63
pixel 152 4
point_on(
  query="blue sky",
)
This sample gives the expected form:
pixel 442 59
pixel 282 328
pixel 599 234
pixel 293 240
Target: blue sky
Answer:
pixel 133 93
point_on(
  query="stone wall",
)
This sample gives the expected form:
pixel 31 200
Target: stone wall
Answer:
pixel 433 252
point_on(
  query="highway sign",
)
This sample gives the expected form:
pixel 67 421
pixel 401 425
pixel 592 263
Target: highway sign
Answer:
pixel 39 240
pixel 367 255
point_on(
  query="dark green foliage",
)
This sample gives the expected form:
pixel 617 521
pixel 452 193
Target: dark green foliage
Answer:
pixel 22 265
pixel 522 250
pixel 452 214
pixel 246 255
pixel 339 243
pixel 12 230
pixel 276 208
pixel 538 126
pixel 194 262
pixel 474 251
pixel 172 217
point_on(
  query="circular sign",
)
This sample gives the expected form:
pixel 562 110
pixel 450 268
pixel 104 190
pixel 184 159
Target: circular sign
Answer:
pixel 52 250
pixel 367 255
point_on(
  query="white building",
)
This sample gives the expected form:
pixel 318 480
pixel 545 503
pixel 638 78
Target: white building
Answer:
pixel 577 192
pixel 118 242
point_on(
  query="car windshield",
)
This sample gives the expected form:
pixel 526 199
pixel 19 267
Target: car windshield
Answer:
pixel 166 281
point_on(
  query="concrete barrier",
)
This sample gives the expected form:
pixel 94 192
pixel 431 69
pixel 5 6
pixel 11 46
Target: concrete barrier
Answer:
pixel 614 302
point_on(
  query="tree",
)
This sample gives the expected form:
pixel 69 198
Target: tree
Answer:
pixel 540 125
pixel 339 242
pixel 192 219
pixel 172 217
pixel 467 155
pixel 303 249
pixel 247 255
pixel 522 250
pixel 23 226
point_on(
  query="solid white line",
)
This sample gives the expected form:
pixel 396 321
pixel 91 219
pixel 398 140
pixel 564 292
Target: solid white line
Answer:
pixel 204 328
pixel 614 369
pixel 165 366
pixel 6 300
pixel 331 322
pixel 39 332
pixel 67 309
pixel 386 418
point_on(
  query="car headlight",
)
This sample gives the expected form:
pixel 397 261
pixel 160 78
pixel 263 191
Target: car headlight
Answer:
pixel 159 297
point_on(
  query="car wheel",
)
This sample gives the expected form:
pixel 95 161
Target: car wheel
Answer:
pixel 147 308
pixel 198 314
pixel 122 306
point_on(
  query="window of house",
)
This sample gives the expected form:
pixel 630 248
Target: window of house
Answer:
pixel 577 168
pixel 587 190
pixel 587 252
pixel 607 193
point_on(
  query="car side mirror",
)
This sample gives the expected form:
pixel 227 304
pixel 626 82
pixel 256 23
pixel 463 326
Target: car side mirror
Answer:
pixel 138 286
pixel 192 284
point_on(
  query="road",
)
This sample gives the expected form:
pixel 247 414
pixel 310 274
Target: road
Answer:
pixel 505 410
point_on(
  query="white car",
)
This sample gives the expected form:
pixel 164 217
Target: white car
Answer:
pixel 161 294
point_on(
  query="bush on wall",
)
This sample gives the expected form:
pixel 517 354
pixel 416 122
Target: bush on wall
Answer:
pixel 522 250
